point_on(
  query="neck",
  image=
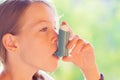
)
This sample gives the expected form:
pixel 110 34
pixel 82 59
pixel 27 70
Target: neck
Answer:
pixel 18 70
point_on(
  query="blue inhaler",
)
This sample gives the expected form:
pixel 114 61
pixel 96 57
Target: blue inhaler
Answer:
pixel 63 40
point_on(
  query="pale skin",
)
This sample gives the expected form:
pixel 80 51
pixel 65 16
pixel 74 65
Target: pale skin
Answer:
pixel 34 47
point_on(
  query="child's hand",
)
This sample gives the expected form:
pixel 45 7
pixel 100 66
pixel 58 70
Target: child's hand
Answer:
pixel 82 55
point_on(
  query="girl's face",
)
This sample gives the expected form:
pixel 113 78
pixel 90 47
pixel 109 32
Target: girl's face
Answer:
pixel 37 38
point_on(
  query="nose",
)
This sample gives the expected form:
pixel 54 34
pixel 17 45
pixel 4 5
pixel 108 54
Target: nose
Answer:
pixel 54 38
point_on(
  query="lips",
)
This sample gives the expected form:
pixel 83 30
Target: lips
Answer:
pixel 56 57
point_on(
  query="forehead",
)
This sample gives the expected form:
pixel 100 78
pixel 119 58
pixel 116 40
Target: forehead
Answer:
pixel 38 11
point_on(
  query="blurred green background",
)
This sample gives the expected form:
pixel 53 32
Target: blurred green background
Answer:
pixel 98 22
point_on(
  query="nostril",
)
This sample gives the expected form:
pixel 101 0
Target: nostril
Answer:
pixel 54 40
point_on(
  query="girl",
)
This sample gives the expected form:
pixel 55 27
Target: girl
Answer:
pixel 28 42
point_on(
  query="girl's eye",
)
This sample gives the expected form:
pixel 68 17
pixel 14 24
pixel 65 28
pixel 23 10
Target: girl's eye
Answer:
pixel 44 29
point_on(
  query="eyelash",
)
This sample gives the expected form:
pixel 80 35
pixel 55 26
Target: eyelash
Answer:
pixel 44 29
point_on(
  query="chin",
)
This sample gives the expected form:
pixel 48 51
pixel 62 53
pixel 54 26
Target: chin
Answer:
pixel 52 67
pixel 52 70
pixel 49 68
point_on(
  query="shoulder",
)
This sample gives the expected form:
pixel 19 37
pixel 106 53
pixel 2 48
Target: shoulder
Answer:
pixel 41 75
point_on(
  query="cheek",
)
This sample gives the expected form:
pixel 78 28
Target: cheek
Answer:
pixel 36 51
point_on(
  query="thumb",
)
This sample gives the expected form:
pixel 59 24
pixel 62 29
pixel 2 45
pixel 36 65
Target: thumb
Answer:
pixel 67 58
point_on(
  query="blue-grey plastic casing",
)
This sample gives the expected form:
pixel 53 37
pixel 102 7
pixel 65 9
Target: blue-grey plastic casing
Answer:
pixel 62 43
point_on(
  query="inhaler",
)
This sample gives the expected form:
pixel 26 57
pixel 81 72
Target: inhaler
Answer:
pixel 63 40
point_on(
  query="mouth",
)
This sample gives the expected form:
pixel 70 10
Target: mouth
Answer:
pixel 54 51
pixel 55 55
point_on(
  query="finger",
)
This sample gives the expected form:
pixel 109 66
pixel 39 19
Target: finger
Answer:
pixel 67 58
pixel 87 47
pixel 73 42
pixel 80 43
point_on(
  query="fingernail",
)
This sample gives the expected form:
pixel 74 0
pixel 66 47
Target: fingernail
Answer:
pixel 63 23
pixel 64 26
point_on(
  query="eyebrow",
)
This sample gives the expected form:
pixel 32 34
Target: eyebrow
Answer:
pixel 40 21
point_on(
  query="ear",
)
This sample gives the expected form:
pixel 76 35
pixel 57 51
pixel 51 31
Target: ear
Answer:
pixel 10 42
